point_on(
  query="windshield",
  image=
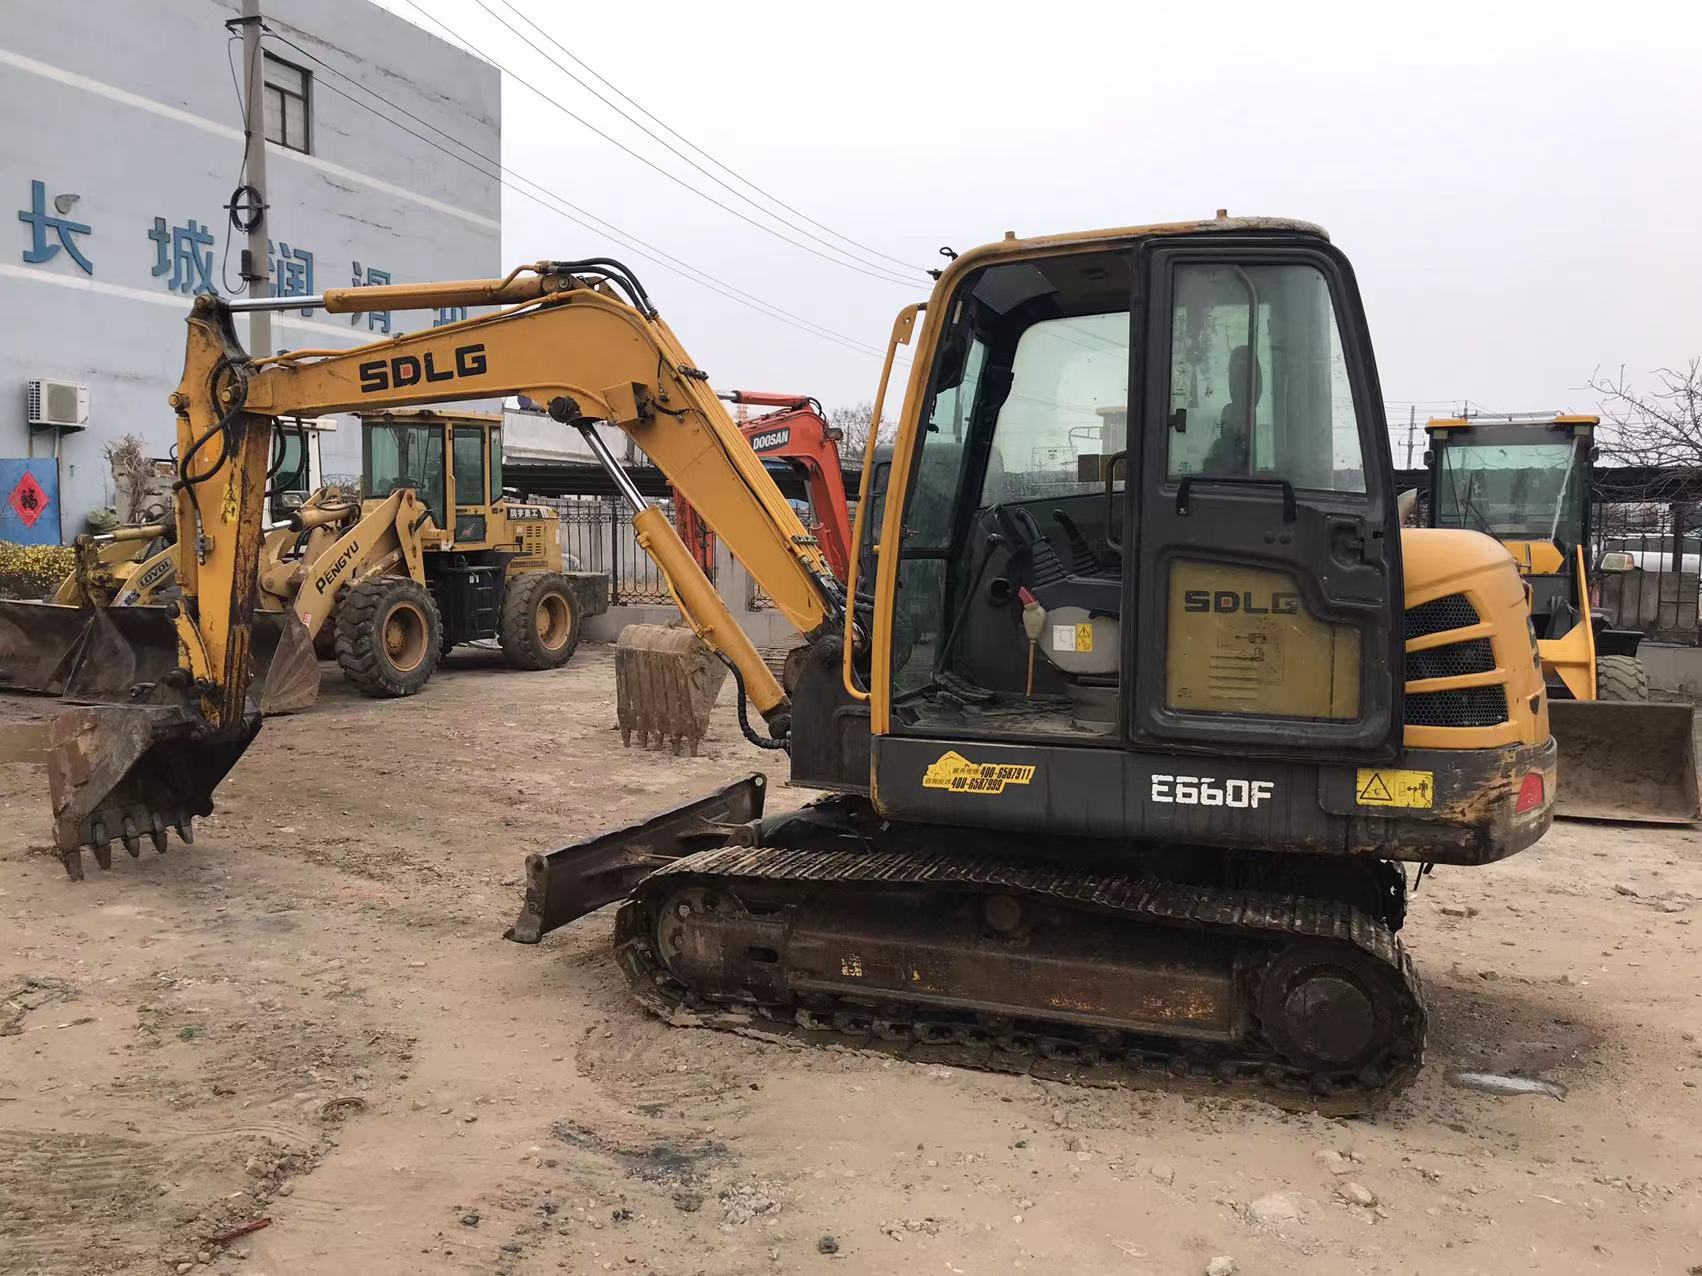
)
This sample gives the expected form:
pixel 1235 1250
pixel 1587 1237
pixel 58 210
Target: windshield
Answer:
pixel 406 456
pixel 1511 490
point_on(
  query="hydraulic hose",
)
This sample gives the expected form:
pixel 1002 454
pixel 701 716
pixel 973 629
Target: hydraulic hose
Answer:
pixel 761 742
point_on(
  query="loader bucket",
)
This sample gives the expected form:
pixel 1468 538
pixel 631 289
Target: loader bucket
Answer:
pixel 99 654
pixel 286 666
pixel 1625 761
pixel 574 880
pixel 666 682
pixel 125 772
pixel 38 644
pixel 83 653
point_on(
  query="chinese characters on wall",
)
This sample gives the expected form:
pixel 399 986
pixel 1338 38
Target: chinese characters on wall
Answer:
pixel 183 256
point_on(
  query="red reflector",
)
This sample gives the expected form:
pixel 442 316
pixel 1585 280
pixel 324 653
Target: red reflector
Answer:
pixel 1530 793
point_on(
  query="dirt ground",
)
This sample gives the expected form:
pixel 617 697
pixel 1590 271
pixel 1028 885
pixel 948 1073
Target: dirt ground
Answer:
pixel 311 1016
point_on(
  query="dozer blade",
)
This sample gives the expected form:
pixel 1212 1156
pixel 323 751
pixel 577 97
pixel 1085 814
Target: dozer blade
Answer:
pixel 125 772
pixel 1625 761
pixel 286 666
pixel 666 682
pixel 574 880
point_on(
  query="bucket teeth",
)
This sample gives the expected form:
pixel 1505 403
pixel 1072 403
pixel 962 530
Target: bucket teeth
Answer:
pixel 132 837
pixel 666 684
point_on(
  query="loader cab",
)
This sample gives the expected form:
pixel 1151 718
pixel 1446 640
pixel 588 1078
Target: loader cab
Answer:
pixel 452 459
pixel 1526 481
pixel 297 471
pixel 1142 506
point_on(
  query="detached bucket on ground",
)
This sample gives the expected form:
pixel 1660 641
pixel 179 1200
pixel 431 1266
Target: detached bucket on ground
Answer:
pixel 666 682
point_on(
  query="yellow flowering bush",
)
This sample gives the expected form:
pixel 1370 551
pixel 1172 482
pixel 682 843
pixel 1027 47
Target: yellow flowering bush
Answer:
pixel 31 571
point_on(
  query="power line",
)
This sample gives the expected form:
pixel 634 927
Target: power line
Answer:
pixel 643 248
pixel 772 200
pixel 882 274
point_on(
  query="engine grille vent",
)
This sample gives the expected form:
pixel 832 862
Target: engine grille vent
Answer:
pixel 1475 655
pixel 1454 611
pixel 1466 707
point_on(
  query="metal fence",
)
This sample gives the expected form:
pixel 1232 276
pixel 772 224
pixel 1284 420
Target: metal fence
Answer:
pixel 1645 565
pixel 597 536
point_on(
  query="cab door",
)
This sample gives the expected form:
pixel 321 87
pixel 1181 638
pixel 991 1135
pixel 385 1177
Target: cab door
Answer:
pixel 471 484
pixel 1269 585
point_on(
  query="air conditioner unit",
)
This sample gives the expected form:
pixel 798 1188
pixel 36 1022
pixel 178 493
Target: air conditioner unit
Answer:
pixel 57 405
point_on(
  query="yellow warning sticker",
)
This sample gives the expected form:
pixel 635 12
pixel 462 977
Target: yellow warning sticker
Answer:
pixel 957 773
pixel 1084 637
pixel 1382 787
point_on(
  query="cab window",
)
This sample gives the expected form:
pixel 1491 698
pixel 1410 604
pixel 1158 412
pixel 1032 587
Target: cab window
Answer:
pixel 1258 381
pixel 469 465
pixel 1026 401
pixel 397 455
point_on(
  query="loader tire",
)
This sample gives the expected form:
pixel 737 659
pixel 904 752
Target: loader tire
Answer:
pixel 540 621
pixel 389 636
pixel 1621 678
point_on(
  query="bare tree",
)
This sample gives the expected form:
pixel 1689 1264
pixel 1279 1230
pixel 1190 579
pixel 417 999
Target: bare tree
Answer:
pixel 1659 426
pixel 127 455
pixel 853 426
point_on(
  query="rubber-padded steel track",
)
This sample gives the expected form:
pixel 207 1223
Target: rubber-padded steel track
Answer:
pixel 1280 921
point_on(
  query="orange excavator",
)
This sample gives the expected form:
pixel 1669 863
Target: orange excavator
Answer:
pixel 797 435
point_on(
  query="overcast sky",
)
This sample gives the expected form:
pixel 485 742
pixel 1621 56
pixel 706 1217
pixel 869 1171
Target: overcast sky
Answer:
pixel 1516 184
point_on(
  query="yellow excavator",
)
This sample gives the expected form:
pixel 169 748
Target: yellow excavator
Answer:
pixel 1136 784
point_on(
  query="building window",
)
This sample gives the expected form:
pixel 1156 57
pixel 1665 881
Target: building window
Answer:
pixel 287 87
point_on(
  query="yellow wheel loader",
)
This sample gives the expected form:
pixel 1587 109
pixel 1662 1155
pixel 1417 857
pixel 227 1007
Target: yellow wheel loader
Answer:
pixel 1176 840
pixel 434 558
pixel 1527 481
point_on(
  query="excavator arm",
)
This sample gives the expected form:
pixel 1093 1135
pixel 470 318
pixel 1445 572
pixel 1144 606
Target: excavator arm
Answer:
pixel 564 338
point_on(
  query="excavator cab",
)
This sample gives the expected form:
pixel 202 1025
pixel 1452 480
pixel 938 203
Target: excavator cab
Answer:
pixel 1085 603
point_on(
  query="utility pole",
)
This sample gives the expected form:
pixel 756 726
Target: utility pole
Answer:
pixel 254 163
pixel 1412 430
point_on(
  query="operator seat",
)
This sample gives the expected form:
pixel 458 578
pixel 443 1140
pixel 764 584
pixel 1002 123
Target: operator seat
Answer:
pixel 1232 452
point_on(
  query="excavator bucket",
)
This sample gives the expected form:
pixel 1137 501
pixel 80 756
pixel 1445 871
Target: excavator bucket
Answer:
pixel 125 772
pixel 666 682
pixel 1625 761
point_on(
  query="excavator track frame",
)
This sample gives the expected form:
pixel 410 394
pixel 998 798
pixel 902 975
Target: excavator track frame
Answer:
pixel 1272 934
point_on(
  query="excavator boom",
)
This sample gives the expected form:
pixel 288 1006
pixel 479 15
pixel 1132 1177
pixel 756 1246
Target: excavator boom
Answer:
pixel 564 338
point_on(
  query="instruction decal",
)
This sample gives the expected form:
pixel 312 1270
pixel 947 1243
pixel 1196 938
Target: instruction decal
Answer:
pixel 1072 637
pixel 958 774
pixel 1414 790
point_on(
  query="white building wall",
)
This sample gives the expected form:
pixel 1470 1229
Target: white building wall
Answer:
pixel 131 108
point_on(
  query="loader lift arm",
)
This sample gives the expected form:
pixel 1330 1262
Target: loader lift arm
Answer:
pixel 564 338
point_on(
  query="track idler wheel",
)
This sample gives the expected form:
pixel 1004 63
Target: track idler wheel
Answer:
pixel 1330 1009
